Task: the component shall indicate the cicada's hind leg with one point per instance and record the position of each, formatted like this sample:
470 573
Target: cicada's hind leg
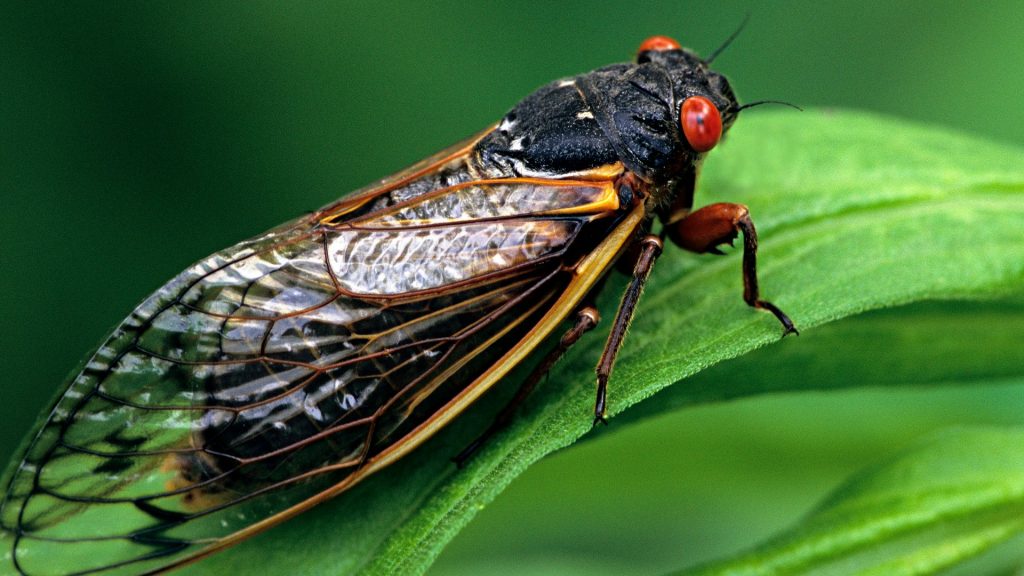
650 249
586 319
716 224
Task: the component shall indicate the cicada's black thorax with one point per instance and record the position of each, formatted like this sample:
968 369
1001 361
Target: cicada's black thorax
625 113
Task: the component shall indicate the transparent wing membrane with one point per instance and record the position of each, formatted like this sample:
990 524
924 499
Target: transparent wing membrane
270 372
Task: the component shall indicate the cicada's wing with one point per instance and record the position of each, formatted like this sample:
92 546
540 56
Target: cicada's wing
280 371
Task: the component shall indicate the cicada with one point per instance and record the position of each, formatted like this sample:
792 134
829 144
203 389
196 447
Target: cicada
283 370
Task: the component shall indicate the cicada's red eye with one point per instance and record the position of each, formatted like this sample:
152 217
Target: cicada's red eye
658 44
701 122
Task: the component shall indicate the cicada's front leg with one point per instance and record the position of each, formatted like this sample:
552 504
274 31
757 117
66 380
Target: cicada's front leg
704 230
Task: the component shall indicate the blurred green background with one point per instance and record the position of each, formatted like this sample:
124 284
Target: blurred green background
137 138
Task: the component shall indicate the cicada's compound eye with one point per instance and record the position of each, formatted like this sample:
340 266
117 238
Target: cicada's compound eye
701 122
658 44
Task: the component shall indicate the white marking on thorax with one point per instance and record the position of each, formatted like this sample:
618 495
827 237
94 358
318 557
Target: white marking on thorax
585 115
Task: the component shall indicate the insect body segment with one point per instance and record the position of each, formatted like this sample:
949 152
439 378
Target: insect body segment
281 371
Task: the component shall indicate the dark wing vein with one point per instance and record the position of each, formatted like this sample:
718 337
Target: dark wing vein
269 372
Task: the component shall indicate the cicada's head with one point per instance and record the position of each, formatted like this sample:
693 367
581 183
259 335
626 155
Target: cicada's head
668 110
679 110
656 117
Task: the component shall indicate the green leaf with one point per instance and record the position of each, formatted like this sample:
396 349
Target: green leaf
940 503
931 343
855 212
706 483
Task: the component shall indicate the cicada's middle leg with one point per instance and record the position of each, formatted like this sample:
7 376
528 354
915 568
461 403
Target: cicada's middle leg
650 249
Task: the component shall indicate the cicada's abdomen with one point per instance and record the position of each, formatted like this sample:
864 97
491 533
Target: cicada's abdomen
274 371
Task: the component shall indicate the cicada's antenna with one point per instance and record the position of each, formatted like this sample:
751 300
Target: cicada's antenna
728 40
760 102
